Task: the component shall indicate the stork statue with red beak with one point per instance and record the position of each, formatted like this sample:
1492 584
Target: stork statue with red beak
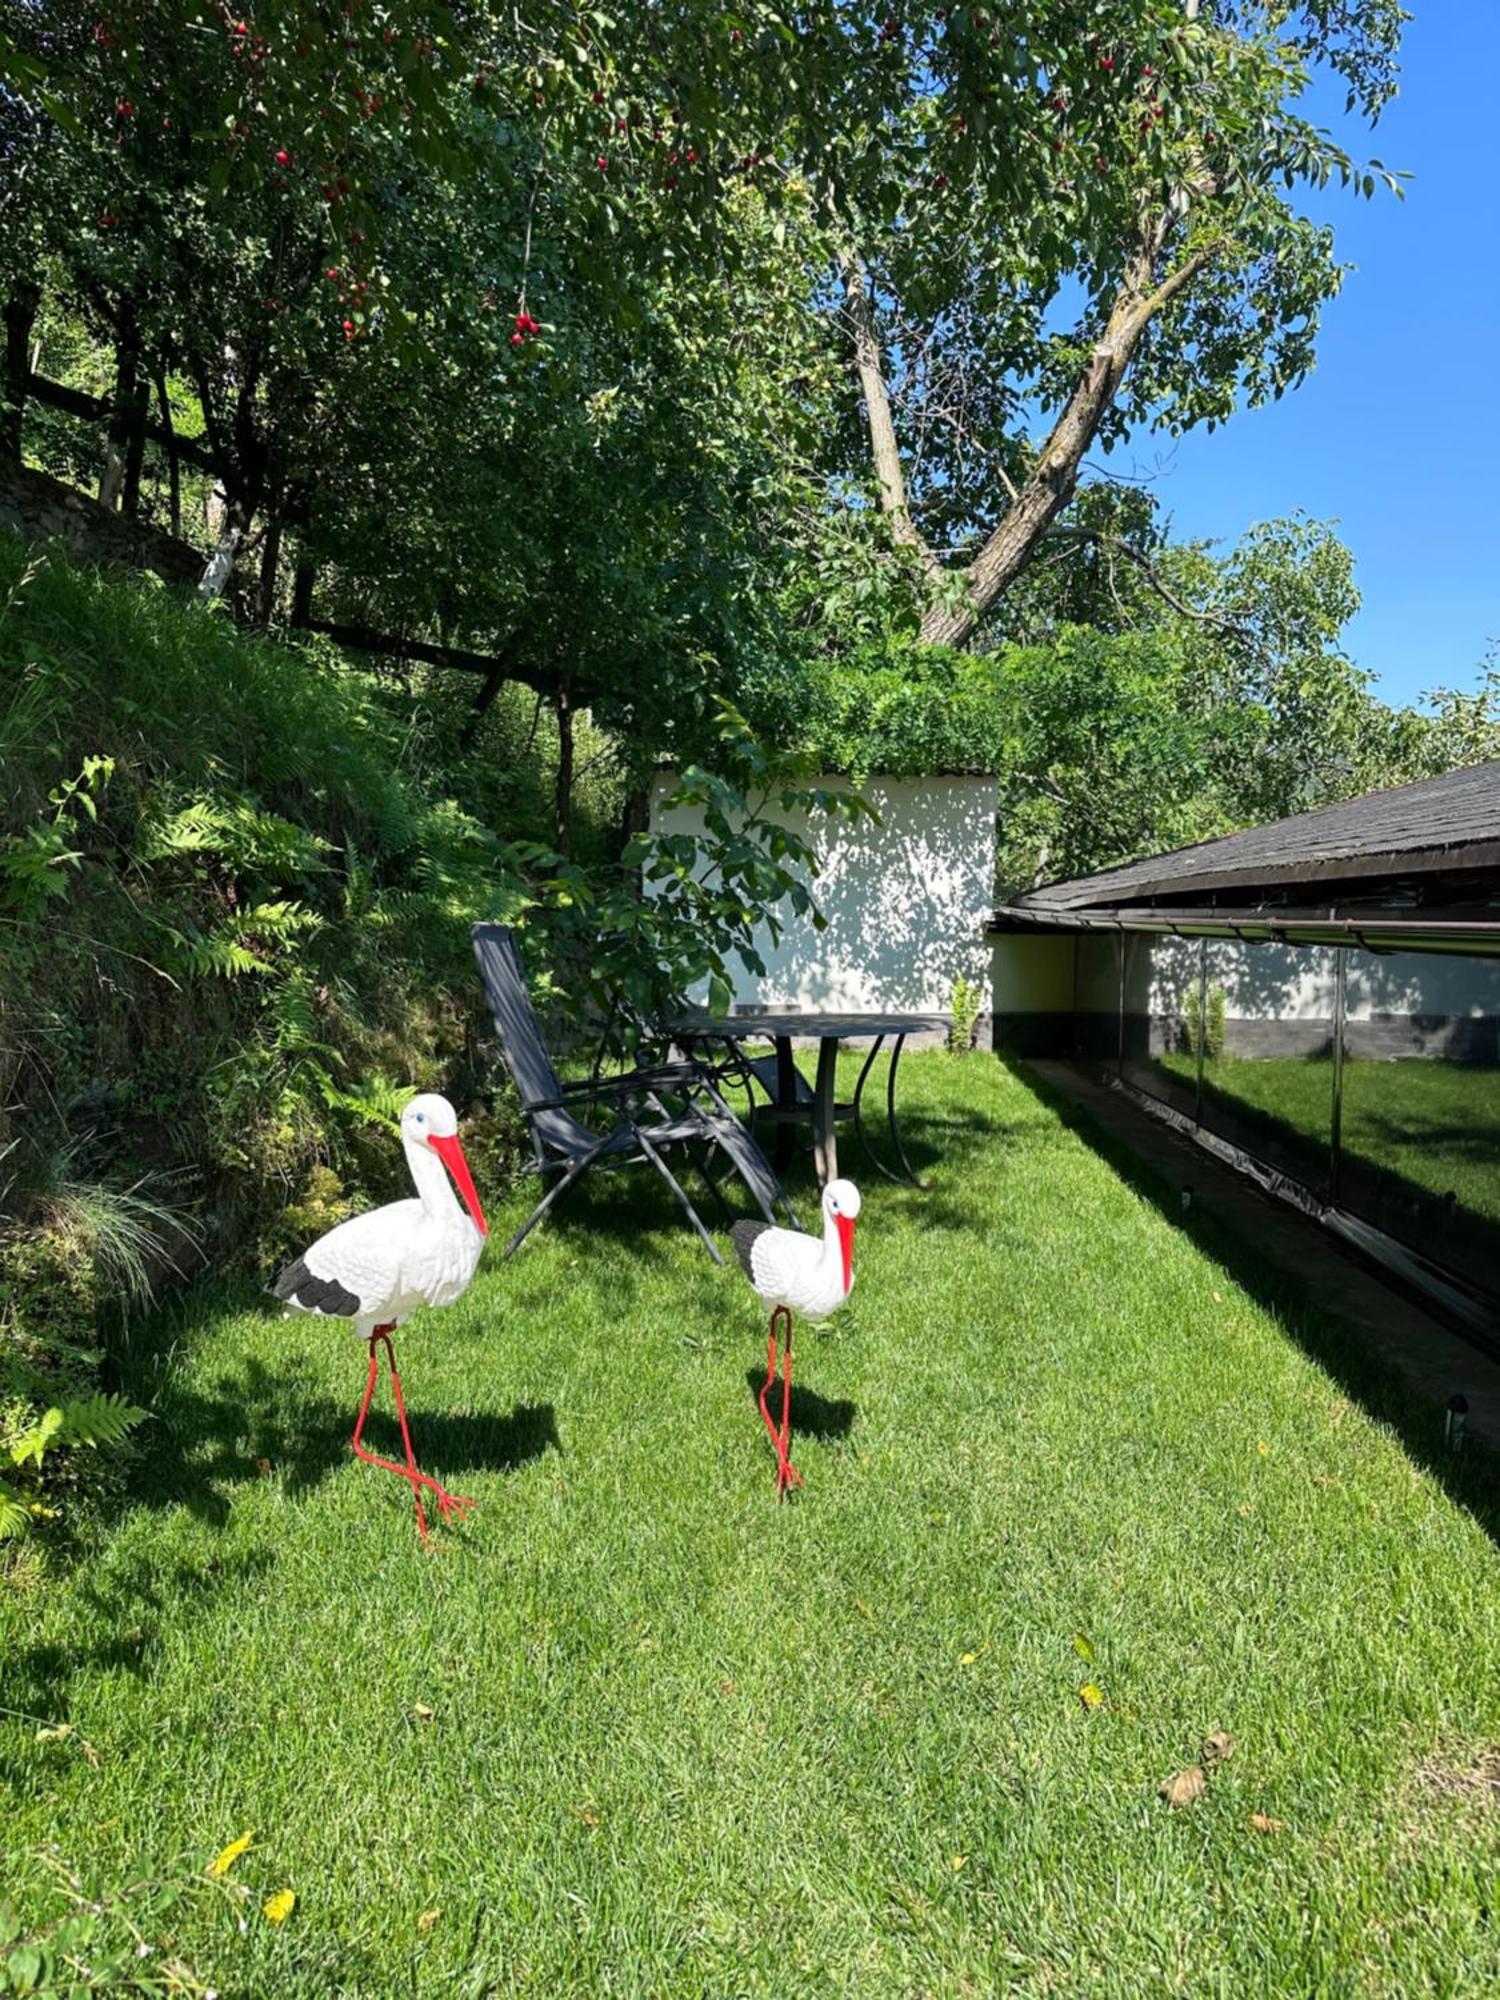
794 1272
373 1271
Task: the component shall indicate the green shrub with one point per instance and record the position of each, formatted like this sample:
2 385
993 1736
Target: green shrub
966 1005
1209 1027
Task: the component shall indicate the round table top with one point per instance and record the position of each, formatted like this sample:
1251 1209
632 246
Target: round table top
815 1027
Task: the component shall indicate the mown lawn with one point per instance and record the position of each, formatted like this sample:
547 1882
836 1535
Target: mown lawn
636 1730
1434 1124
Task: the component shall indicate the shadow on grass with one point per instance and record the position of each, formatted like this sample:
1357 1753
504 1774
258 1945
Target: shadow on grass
133 1604
256 1422
1383 1393
812 1415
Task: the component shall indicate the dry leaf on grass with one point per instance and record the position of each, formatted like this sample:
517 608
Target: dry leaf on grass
427 1919
279 1907
1263 1823
958 1861
1183 1786
1218 1747
422 1712
1082 1648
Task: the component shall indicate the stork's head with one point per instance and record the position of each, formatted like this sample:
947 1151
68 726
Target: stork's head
430 1121
841 1206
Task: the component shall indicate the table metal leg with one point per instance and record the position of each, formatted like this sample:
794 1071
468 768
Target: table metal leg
907 1172
786 1100
824 1143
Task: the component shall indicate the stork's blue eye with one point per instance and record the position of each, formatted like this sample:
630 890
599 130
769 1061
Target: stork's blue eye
421 1117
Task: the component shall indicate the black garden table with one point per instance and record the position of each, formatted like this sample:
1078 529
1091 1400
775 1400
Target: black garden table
792 1102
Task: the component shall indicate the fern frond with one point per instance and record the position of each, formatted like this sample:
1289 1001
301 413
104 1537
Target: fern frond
221 957
14 1518
98 1421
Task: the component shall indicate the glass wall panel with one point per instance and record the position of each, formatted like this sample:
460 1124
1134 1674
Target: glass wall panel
1420 1154
1268 1037
1097 1010
1161 1018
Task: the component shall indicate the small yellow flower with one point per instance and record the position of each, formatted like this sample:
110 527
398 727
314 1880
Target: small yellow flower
280 1906
226 1857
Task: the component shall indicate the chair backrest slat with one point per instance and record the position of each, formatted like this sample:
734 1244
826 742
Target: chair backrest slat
520 1035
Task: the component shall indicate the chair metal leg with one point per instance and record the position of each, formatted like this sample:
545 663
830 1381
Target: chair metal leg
671 1180
559 1188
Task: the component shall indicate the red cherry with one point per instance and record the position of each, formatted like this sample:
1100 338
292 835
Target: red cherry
1106 62
518 340
283 158
602 164
125 109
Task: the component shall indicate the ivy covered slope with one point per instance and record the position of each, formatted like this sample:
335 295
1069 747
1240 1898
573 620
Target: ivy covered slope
234 913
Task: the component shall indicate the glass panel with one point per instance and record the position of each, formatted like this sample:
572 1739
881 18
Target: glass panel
1161 1018
1421 1123
1268 1054
1098 1003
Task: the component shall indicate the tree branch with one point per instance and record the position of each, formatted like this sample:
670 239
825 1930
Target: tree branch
1050 487
362 639
96 410
1112 545
889 477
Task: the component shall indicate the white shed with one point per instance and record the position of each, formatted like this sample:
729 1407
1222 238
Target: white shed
907 898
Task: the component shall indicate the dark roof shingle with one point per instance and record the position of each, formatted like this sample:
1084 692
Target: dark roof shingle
1444 822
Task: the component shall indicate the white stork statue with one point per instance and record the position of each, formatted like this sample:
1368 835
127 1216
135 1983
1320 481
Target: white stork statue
797 1273
374 1270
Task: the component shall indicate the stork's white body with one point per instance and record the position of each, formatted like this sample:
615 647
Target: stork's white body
395 1259
809 1274
376 1269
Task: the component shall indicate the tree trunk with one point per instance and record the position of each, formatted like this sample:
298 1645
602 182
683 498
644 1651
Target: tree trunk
1050 487
21 309
562 702
635 815
234 519
270 560
119 483
174 468
304 576
890 480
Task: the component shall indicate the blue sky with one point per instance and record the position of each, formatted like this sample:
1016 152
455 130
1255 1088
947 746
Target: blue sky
1395 435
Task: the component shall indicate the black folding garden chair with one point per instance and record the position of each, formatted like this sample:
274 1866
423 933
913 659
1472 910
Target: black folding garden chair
644 1126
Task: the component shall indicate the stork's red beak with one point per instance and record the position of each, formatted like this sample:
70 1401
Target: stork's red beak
846 1244
451 1153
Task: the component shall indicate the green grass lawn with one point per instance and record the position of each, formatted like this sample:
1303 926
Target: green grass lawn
636 1730
1434 1124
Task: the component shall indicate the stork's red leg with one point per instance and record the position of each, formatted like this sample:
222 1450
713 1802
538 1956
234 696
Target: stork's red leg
780 1434
448 1503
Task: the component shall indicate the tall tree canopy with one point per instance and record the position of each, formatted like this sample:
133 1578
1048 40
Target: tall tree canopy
978 213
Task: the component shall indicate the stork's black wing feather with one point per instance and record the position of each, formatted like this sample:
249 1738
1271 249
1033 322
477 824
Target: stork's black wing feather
745 1236
300 1287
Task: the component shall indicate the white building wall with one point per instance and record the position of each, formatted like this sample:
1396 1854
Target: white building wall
907 900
